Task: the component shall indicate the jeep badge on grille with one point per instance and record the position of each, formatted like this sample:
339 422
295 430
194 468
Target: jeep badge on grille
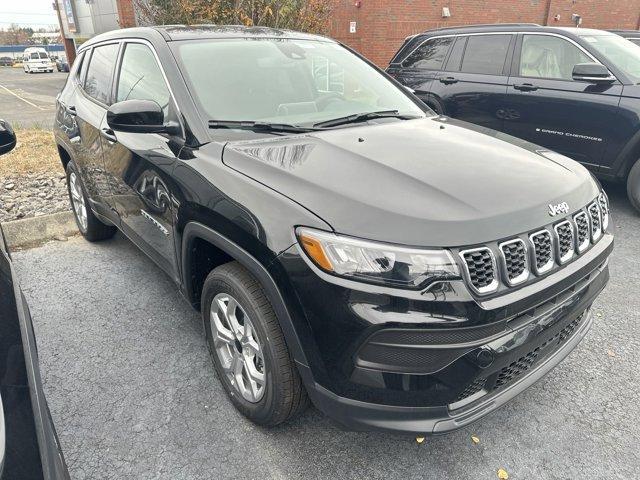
558 208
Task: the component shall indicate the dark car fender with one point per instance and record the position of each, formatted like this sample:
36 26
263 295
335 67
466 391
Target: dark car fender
195 230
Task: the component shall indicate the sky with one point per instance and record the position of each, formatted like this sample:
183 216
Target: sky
28 13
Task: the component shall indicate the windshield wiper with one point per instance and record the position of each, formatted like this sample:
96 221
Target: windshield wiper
363 117
260 126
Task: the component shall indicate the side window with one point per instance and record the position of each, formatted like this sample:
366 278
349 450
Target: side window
486 54
78 67
455 57
546 56
141 78
430 54
102 63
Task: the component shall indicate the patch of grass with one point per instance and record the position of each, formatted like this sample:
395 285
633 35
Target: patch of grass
35 152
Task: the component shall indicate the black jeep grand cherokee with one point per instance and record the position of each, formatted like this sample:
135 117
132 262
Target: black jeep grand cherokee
406 272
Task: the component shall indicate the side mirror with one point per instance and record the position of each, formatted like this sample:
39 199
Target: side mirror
7 137
592 73
139 116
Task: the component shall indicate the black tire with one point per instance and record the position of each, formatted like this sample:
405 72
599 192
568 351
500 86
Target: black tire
284 395
633 186
94 230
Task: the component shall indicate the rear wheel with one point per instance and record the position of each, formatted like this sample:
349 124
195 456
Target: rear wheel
89 225
248 349
633 185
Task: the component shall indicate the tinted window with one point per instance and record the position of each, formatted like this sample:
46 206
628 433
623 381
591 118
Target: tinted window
97 83
429 55
546 56
82 71
455 57
141 77
486 54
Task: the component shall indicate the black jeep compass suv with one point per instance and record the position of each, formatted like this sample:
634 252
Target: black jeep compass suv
404 271
573 90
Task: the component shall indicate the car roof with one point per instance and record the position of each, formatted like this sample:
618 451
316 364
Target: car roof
197 32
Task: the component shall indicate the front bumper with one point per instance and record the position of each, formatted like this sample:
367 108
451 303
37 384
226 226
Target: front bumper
470 356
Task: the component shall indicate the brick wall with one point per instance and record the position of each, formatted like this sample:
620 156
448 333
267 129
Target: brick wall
126 15
382 25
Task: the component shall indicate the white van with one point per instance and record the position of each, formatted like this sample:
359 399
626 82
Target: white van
36 59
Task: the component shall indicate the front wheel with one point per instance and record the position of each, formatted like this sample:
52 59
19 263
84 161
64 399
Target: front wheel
89 225
248 349
633 185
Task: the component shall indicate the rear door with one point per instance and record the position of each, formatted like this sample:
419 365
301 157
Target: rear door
473 85
89 107
139 165
422 66
547 107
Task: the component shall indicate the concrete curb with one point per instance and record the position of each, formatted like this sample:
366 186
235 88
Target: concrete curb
32 231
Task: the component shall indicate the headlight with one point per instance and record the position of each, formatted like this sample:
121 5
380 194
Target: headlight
375 262
603 200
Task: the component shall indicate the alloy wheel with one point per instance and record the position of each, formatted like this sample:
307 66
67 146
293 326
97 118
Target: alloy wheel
77 199
237 347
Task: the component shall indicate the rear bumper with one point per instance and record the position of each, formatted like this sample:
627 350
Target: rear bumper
363 416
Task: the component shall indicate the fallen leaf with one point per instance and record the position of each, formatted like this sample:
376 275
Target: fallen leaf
419 439
475 439
611 353
502 474
599 315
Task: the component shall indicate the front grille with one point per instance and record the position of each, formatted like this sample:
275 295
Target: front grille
514 257
582 231
481 269
542 251
565 242
603 202
594 215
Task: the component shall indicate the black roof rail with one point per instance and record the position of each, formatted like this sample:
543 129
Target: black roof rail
486 25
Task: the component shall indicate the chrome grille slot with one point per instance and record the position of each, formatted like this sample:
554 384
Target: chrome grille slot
603 202
542 249
596 224
564 241
514 261
583 237
480 267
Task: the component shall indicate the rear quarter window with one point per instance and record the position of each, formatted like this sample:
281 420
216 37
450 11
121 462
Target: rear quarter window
97 83
429 55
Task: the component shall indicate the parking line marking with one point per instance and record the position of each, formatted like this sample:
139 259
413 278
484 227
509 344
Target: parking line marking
23 99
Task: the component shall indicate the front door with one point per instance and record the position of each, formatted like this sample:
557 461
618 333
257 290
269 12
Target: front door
139 165
549 108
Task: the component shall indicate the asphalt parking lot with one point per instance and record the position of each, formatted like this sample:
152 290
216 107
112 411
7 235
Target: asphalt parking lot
28 100
133 393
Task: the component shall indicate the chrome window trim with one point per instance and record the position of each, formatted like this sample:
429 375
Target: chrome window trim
569 255
550 264
493 286
525 274
587 240
595 235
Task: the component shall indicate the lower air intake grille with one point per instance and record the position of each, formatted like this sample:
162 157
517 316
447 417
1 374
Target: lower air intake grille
472 389
481 268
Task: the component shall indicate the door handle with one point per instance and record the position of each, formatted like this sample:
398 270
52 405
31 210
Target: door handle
448 80
70 110
108 135
525 87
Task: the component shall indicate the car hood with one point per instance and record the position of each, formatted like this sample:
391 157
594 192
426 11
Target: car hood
428 182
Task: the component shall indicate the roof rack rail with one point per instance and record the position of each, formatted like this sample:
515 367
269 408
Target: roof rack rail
487 25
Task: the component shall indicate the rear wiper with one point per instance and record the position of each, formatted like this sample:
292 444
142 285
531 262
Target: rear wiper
260 126
363 117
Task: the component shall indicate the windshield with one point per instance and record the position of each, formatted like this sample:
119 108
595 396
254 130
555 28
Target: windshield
36 55
296 82
620 52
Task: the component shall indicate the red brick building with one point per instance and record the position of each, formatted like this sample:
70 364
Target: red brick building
382 25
